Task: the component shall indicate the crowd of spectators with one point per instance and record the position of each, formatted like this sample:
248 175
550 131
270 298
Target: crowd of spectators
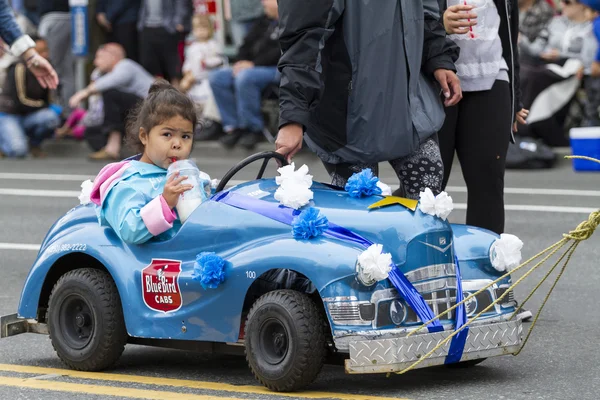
141 40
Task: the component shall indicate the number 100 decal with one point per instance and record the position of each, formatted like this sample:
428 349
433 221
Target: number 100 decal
251 274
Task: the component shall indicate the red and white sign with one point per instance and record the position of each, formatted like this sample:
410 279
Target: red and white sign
205 7
160 285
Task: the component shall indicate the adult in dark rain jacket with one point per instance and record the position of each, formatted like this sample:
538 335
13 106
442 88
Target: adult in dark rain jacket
358 78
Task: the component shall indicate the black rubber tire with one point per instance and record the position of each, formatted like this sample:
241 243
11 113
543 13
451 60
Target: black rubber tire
465 364
306 340
98 292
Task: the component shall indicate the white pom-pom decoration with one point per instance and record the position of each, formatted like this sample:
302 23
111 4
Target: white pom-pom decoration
214 183
294 186
440 206
385 189
373 264
505 253
294 196
291 177
86 192
443 205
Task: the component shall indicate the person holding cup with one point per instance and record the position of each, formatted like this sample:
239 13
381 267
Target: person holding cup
480 127
136 198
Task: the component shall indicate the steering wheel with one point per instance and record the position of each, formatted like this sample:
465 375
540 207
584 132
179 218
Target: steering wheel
265 155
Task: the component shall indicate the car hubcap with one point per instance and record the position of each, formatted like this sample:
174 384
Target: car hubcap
274 342
76 321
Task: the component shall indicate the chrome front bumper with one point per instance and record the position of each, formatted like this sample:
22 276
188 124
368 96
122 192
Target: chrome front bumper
393 355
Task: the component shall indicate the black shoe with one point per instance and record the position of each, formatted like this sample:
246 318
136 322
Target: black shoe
250 139
208 130
229 140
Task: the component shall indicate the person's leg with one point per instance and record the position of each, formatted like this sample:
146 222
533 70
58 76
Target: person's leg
340 173
40 125
169 56
249 85
222 86
127 36
447 140
239 30
149 59
420 170
13 141
117 105
483 134
58 38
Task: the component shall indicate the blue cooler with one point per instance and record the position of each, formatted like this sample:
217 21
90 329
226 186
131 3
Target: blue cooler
585 142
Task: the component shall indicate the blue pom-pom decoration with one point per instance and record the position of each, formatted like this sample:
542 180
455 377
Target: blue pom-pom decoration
209 269
309 224
363 183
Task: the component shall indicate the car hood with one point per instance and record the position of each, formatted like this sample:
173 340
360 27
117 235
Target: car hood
393 226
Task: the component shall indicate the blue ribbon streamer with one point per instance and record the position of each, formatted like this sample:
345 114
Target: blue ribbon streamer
457 344
397 278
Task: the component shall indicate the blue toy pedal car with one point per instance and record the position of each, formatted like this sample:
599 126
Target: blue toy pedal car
291 305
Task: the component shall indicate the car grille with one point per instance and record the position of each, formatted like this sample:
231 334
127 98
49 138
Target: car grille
437 285
346 313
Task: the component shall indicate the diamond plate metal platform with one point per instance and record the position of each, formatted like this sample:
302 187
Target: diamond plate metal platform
392 355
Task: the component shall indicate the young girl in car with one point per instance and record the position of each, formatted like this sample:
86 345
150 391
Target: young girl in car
134 197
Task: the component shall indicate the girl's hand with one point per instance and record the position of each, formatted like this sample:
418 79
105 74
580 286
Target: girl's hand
458 19
521 119
173 188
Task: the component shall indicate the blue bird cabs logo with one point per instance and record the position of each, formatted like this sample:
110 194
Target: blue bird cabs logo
160 285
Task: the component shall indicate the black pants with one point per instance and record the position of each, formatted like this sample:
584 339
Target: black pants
478 129
117 106
417 171
159 54
127 36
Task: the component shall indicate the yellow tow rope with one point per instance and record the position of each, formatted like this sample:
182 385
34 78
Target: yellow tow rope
583 232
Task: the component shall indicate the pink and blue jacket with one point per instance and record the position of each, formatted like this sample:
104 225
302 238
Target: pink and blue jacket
128 195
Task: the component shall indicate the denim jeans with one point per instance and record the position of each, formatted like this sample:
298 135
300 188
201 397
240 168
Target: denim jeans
239 97
16 130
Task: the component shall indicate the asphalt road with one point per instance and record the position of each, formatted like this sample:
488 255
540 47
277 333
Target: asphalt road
560 361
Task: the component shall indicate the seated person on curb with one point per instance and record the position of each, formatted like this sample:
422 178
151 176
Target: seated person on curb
592 82
123 84
237 90
25 112
568 37
134 197
202 55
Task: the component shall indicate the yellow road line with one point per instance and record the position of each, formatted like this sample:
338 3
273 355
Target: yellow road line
215 386
104 390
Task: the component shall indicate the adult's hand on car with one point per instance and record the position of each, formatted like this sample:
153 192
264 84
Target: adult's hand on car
289 140
241 65
173 188
450 84
459 19
41 69
521 118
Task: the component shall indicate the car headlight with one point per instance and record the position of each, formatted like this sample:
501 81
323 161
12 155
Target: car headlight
397 312
470 305
505 252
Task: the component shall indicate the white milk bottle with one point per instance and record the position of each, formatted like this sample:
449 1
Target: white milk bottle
189 200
